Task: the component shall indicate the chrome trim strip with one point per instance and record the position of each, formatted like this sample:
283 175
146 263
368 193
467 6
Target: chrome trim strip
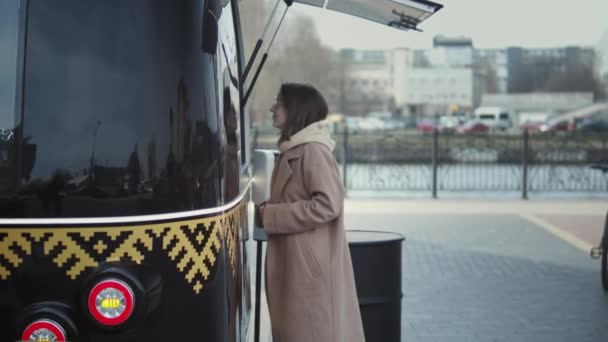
129 219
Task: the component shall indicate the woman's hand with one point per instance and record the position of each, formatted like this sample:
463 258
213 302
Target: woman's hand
259 214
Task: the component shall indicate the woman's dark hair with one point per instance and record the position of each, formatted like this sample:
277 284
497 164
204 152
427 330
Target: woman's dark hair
304 105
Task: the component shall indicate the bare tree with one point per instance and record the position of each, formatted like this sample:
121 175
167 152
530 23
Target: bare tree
296 56
254 15
523 79
545 73
345 87
575 78
490 79
604 87
421 60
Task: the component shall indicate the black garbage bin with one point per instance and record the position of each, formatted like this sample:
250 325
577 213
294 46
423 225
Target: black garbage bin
376 260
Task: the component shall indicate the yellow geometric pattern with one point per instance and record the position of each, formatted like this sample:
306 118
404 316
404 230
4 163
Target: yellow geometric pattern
231 225
193 245
8 242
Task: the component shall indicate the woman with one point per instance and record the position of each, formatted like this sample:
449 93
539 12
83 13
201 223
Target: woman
309 277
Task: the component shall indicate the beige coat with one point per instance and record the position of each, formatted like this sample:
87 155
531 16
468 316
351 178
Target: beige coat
310 284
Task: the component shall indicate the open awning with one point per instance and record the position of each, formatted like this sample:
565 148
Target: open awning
400 14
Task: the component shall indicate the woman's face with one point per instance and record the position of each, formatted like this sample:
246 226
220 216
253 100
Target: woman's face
279 114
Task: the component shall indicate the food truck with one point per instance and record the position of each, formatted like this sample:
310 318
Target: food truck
126 171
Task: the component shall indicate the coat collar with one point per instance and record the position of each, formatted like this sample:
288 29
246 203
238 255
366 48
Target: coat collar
283 171
315 132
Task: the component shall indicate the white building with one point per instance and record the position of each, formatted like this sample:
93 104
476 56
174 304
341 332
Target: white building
402 62
435 90
450 52
384 79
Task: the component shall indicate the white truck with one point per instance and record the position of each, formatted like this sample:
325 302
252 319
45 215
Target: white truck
497 118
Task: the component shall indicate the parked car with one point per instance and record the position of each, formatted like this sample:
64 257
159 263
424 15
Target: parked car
448 123
352 124
371 124
382 121
555 126
473 127
592 126
530 126
426 126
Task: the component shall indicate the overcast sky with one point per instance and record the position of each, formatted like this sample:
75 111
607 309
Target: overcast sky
490 23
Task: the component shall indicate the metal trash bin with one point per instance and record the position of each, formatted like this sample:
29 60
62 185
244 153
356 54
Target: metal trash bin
376 260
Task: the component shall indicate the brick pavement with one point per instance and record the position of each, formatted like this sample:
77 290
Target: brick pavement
486 271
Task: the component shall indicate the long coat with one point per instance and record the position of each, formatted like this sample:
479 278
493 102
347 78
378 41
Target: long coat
310 283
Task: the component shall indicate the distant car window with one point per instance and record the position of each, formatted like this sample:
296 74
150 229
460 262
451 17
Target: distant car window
504 116
487 116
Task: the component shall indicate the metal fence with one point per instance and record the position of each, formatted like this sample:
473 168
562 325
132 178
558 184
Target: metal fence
410 161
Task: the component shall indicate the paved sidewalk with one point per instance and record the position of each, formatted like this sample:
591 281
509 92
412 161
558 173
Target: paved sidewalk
578 222
495 270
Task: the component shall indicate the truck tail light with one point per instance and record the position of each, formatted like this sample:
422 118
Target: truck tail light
111 302
120 296
44 330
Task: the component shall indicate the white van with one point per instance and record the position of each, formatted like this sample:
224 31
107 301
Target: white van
494 117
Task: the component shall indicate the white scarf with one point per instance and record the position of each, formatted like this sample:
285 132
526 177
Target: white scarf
315 132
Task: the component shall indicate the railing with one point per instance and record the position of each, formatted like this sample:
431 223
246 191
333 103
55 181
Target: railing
410 161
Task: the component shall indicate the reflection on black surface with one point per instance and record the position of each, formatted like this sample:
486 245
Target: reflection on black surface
11 142
212 11
9 32
118 119
122 116
10 127
133 177
204 163
189 179
231 159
